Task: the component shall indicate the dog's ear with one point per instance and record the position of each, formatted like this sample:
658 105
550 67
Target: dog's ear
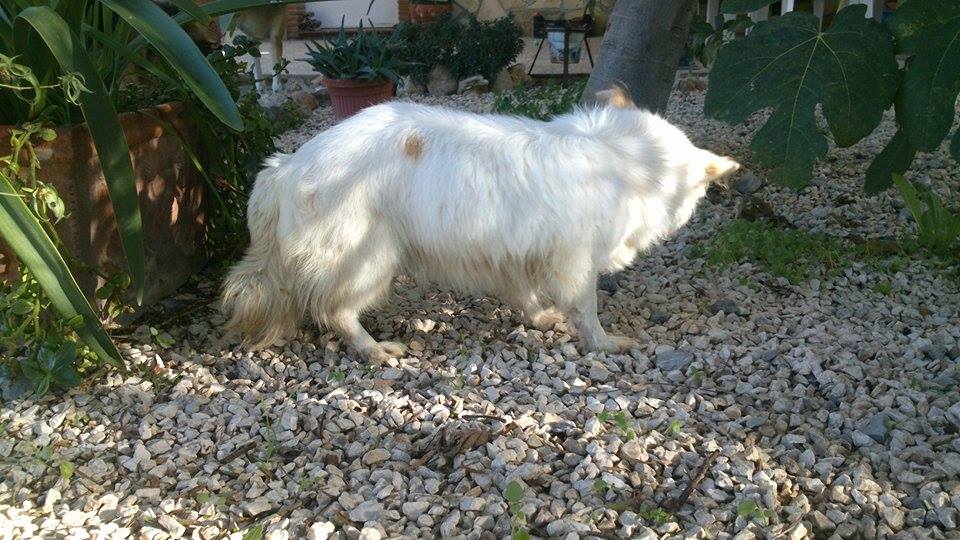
719 167
617 97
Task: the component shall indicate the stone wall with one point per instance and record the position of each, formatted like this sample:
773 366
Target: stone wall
524 10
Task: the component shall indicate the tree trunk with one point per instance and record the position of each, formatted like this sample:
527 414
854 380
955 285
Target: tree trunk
642 49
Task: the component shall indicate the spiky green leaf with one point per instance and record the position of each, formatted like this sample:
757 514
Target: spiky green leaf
166 36
24 234
789 65
104 126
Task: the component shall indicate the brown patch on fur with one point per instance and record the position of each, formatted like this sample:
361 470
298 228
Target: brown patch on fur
713 170
617 97
413 147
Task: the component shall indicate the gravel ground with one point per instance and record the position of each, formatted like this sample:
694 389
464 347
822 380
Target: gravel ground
822 409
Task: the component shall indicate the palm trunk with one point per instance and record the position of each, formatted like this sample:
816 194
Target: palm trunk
641 49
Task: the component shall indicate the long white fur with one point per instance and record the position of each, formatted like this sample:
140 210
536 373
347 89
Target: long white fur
527 210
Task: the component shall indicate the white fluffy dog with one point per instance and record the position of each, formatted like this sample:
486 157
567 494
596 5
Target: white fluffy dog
531 211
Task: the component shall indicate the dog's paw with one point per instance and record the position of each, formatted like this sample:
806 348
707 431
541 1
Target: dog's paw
546 319
616 344
385 350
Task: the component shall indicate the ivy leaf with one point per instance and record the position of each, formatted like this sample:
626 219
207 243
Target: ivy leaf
744 6
789 65
894 159
929 31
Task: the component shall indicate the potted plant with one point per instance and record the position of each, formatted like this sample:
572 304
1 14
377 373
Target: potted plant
358 71
428 11
78 173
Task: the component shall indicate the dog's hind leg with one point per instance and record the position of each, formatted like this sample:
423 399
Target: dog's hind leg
347 324
579 300
360 281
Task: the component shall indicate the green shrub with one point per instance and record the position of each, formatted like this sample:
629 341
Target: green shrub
475 47
938 229
540 102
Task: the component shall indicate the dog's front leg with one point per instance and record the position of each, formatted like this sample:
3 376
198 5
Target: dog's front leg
583 312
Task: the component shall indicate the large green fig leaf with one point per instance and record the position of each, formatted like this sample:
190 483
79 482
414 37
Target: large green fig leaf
894 159
744 6
929 31
789 65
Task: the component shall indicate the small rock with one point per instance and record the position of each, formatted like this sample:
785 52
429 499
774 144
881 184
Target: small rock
366 511
409 87
562 527
377 455
320 530
659 317
725 305
415 509
876 427
607 283
305 99
370 533
172 526
256 506
74 518
472 504
953 414
440 82
749 184
676 360
448 527
474 83
893 516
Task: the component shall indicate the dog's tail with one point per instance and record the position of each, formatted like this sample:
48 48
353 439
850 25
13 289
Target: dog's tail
256 293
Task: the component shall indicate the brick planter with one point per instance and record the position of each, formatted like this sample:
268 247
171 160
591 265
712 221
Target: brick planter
171 201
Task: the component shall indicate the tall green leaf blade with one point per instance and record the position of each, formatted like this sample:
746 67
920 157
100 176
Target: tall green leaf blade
37 252
176 47
929 30
744 6
191 8
895 158
789 65
104 126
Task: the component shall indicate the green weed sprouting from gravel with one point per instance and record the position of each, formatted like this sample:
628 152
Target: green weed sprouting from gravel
518 519
655 515
750 510
792 254
620 420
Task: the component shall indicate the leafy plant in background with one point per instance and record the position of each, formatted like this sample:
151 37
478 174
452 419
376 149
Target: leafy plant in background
706 39
366 55
790 65
476 47
938 229
540 102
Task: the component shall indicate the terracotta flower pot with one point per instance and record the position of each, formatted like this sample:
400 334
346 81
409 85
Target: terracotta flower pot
171 200
350 95
428 13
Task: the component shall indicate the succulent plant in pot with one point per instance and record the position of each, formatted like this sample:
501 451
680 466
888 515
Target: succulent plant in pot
357 70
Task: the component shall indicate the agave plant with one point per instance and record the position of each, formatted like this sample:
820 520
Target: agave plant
366 55
61 62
